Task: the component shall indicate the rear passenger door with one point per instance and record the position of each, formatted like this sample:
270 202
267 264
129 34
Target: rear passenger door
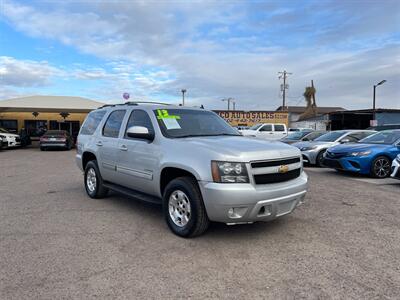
279 131
107 144
138 158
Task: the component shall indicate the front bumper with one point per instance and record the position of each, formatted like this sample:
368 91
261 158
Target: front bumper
395 169
246 203
360 165
11 143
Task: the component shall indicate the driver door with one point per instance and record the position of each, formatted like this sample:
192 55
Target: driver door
138 158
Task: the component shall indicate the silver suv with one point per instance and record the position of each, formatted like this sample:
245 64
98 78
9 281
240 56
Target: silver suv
192 162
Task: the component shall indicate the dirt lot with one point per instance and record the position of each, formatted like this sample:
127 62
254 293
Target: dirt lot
55 242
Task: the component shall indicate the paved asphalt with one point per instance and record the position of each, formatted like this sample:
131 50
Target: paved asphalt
55 242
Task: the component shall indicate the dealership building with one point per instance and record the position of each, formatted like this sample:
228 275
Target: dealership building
39 113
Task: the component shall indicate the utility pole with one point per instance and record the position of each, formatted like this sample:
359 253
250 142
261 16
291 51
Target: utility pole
234 104
284 75
183 96
229 102
373 104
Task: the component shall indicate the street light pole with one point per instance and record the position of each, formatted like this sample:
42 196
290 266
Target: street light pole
373 103
183 96
234 104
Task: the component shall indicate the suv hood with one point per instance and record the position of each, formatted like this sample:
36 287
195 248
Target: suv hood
241 148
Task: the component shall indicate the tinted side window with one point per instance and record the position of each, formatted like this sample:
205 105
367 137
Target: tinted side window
351 138
139 118
279 128
113 124
92 121
266 128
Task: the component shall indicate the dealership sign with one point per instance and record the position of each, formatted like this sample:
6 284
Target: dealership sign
249 118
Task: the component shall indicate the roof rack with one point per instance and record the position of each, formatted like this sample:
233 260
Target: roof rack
145 102
133 103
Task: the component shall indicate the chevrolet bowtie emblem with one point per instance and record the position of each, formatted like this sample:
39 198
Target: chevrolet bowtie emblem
283 169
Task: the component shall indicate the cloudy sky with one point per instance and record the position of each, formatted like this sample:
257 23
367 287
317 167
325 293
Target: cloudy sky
214 49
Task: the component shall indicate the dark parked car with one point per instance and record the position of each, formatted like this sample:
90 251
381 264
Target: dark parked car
56 139
300 136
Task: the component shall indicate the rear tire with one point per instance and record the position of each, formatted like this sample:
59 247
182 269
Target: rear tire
93 181
381 167
184 209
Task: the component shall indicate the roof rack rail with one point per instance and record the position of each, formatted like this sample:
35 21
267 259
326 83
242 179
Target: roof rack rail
145 102
133 103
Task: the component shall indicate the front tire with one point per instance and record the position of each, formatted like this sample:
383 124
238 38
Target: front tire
320 158
184 209
381 167
94 182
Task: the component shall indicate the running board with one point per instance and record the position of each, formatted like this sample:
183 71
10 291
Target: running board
132 193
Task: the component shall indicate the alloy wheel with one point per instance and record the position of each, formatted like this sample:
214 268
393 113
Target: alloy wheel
179 208
382 168
91 180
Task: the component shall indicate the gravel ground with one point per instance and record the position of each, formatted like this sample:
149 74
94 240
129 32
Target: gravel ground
55 242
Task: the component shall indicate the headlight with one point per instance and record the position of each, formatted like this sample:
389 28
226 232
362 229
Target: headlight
3 137
229 172
308 148
363 153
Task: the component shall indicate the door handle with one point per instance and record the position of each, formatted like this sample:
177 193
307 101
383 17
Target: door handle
123 148
99 143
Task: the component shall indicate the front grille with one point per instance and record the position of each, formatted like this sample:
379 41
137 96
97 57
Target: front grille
274 163
335 155
277 177
331 163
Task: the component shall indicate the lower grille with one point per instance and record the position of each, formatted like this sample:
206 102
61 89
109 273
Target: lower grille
277 177
331 163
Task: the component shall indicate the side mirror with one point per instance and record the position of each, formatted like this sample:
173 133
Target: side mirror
344 141
139 132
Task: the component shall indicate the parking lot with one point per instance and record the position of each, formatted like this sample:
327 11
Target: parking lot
55 242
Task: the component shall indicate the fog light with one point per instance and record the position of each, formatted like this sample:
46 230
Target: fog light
302 200
236 212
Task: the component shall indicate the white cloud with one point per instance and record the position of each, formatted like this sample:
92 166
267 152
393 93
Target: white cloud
25 73
156 48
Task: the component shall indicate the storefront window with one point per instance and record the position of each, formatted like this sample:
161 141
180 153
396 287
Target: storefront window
35 128
9 125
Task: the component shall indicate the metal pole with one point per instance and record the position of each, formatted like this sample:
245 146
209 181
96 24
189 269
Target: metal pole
373 104
183 96
284 90
234 105
229 103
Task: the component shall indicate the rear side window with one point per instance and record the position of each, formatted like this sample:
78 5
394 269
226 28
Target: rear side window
279 128
92 121
139 118
113 124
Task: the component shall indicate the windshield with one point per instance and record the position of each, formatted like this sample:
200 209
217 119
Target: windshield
255 127
3 130
386 137
296 135
330 136
179 123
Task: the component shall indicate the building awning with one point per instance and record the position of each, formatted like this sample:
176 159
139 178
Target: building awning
49 104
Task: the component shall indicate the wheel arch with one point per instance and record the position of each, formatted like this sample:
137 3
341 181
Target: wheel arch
86 157
169 173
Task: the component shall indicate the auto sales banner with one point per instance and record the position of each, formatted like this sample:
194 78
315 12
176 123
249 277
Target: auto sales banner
250 118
